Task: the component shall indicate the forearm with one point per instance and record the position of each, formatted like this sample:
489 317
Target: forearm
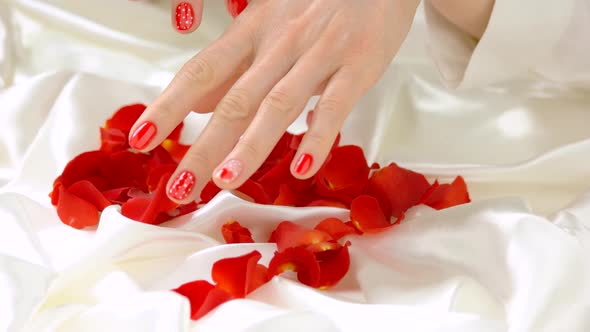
471 16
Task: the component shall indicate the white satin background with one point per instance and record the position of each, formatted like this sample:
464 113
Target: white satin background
516 259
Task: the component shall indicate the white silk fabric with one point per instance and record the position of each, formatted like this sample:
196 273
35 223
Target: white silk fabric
516 259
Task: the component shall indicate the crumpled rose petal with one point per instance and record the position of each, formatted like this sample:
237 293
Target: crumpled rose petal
366 214
203 297
88 192
233 232
74 211
296 259
397 189
118 195
148 209
240 275
335 227
344 176
289 235
447 195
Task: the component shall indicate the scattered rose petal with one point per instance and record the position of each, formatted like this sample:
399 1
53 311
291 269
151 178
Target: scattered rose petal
366 214
447 195
240 275
76 212
397 189
296 259
233 232
335 227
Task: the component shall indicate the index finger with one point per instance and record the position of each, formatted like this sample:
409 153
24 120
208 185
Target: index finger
200 76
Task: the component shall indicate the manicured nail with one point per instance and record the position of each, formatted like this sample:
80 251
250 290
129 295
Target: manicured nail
143 135
229 171
182 185
185 16
303 164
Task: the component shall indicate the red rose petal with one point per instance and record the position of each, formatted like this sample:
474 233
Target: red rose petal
328 202
209 192
297 259
288 235
447 195
255 191
366 214
175 134
88 192
82 167
125 169
135 209
76 212
187 208
125 117
157 173
239 275
334 265
203 297
286 197
344 176
118 195
397 189
175 149
279 173
233 232
112 140
214 299
335 227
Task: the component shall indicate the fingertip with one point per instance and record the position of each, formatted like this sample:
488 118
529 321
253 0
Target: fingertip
228 174
182 186
303 166
187 15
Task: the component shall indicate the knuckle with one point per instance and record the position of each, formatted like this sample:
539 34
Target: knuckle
330 106
198 70
249 148
199 159
279 101
317 139
234 106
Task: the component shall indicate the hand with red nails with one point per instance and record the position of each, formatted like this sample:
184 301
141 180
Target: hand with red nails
258 77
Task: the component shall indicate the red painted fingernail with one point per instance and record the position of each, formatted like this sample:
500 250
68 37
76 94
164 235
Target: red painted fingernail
229 171
182 185
235 7
303 164
185 16
143 135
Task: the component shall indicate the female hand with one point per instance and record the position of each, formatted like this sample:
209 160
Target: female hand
258 77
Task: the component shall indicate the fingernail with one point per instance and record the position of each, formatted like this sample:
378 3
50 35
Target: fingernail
143 135
303 164
185 16
182 185
229 171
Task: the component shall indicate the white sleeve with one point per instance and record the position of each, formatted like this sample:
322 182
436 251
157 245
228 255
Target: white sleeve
524 38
